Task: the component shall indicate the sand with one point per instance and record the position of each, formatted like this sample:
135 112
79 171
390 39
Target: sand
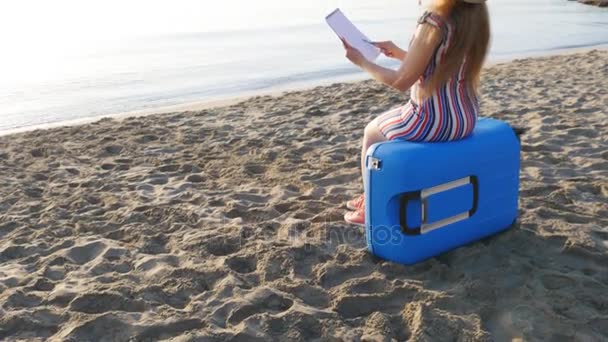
226 224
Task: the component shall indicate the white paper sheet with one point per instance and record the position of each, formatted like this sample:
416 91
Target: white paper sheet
344 28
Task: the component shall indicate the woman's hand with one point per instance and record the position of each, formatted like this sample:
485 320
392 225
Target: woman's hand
390 49
353 55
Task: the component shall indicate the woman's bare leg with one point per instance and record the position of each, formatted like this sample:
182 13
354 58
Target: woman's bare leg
372 135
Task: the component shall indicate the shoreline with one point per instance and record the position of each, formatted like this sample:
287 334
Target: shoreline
228 100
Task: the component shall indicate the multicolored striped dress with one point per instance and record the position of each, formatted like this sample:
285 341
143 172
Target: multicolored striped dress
448 114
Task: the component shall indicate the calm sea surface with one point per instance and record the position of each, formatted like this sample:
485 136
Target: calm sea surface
63 60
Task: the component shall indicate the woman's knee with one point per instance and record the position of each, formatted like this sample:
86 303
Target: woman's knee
370 129
372 132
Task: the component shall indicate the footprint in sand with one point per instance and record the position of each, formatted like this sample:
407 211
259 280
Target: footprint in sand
311 295
123 160
190 168
40 177
152 264
577 219
334 275
93 199
169 168
242 265
254 169
336 180
590 272
250 215
55 273
271 304
96 303
20 300
216 203
113 327
7 227
73 171
368 285
250 197
84 253
223 247
43 285
34 192
352 306
114 253
158 180
41 152
113 149
147 138
155 244
556 282
170 329
195 179
283 207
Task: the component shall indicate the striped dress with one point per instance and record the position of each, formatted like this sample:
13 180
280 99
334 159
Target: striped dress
448 114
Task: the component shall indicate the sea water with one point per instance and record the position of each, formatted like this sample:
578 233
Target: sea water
68 59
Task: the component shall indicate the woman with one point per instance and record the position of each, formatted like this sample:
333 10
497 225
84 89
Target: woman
441 69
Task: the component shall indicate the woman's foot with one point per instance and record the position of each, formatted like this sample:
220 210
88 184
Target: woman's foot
356 217
357 203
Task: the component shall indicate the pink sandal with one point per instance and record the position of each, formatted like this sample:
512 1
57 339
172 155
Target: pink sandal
357 203
356 217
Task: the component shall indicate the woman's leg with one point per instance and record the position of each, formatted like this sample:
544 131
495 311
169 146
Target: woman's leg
371 135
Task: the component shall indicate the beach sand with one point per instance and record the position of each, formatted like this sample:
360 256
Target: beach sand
226 224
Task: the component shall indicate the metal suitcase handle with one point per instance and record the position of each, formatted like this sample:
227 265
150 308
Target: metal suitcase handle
423 195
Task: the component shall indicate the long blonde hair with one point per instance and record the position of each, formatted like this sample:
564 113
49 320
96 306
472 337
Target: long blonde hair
470 40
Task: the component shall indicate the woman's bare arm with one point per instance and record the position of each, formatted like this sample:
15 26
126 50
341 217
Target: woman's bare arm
421 51
391 50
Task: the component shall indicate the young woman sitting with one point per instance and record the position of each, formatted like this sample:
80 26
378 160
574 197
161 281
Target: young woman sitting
441 70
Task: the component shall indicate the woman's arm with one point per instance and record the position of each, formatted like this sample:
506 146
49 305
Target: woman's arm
380 73
390 49
421 51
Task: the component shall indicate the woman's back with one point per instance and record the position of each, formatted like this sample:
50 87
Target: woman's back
453 107
443 104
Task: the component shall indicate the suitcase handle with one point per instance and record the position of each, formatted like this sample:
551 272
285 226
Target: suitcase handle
422 195
405 199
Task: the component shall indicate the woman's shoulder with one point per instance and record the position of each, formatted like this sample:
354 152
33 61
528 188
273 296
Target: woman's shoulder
433 18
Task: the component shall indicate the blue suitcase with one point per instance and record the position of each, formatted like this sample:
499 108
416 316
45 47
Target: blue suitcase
423 199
